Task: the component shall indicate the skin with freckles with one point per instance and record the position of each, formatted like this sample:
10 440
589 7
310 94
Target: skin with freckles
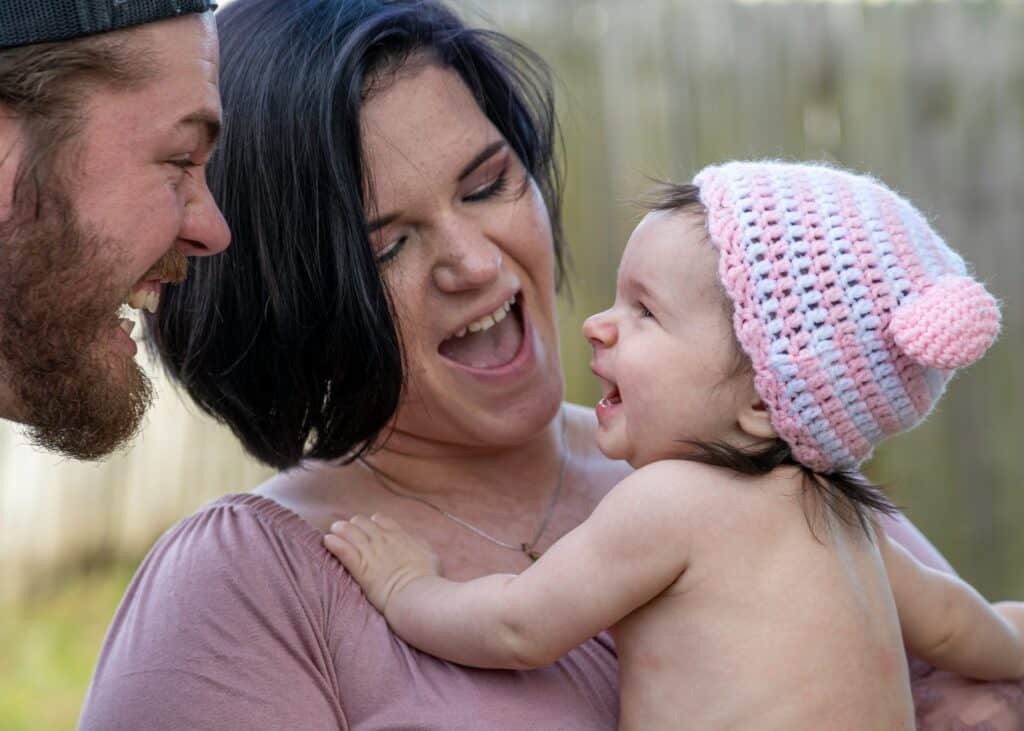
127 205
736 602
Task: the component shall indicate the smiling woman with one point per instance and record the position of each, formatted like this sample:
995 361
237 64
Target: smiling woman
468 243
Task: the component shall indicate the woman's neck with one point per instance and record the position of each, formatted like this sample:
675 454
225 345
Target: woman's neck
444 470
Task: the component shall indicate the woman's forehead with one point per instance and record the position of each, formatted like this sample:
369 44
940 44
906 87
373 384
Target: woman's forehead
422 126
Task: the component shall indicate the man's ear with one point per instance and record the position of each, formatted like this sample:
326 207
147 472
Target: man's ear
11 153
756 421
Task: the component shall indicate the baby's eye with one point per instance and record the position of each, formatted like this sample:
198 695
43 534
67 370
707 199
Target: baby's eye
644 312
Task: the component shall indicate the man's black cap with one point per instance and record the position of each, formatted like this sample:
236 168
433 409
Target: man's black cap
23 22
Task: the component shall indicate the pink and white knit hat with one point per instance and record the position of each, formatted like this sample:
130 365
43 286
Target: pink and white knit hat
853 310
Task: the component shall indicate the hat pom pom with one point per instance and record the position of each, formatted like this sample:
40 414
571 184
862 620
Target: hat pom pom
950 326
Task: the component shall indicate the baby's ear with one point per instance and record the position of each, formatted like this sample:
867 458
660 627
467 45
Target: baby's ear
756 421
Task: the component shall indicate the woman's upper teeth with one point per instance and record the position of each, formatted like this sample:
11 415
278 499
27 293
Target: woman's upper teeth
487 321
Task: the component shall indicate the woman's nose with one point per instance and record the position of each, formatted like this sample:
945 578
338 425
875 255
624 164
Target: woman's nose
599 329
203 231
468 260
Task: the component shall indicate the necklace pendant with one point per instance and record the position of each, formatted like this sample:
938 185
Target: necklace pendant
529 551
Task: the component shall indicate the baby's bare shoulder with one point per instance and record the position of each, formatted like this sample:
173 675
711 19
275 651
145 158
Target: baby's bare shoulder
707 495
697 478
677 484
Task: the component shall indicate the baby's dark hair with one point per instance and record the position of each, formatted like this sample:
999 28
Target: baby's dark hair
847 494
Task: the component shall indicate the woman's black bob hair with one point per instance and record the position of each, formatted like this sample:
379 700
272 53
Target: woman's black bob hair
287 336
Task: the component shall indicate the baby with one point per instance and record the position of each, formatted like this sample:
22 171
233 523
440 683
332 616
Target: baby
772 322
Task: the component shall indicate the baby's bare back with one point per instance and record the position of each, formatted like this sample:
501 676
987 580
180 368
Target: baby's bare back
771 626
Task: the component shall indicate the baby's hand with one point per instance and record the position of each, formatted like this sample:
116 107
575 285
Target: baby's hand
380 555
1013 612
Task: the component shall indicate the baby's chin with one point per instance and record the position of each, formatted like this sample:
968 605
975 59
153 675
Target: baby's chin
615 450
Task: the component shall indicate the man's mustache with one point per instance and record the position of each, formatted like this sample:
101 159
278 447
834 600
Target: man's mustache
172 267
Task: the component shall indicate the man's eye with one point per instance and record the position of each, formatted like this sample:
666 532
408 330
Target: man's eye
185 163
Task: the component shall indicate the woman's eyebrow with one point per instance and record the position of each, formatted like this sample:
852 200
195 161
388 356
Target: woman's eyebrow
483 156
381 222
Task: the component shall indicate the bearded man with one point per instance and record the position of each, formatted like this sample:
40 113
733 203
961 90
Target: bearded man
109 111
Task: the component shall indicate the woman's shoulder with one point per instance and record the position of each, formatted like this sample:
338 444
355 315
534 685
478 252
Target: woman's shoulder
240 547
243 522
242 583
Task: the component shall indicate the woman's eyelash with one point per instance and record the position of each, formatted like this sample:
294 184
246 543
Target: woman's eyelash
392 251
492 190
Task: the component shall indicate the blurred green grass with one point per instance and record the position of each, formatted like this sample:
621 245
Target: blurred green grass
50 643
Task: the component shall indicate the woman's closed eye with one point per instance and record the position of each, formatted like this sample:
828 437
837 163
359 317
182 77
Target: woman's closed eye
490 189
391 250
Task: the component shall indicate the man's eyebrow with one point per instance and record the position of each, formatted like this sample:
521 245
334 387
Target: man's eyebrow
484 155
207 121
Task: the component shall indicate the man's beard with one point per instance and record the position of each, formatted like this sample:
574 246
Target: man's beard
75 391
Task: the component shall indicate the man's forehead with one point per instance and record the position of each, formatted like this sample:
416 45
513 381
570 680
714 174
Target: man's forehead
26 22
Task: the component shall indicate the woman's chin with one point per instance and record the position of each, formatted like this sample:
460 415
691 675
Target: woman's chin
474 416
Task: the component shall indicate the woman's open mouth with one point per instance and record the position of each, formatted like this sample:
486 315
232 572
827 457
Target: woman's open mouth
491 342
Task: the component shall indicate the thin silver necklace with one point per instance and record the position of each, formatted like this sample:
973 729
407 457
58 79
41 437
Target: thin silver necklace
528 548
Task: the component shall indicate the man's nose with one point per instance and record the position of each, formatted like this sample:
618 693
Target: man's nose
204 231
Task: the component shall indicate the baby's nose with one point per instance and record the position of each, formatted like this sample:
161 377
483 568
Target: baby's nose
599 329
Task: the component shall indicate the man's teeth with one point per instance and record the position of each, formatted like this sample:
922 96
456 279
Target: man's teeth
143 299
487 321
127 325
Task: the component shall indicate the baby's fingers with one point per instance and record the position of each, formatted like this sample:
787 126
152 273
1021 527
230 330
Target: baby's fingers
386 523
349 544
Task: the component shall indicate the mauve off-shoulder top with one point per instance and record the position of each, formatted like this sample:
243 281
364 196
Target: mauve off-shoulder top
239 619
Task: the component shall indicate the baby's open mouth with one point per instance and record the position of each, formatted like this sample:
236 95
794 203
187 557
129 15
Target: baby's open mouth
490 342
612 397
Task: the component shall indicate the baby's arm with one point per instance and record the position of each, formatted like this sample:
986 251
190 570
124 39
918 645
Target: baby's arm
631 548
948 623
